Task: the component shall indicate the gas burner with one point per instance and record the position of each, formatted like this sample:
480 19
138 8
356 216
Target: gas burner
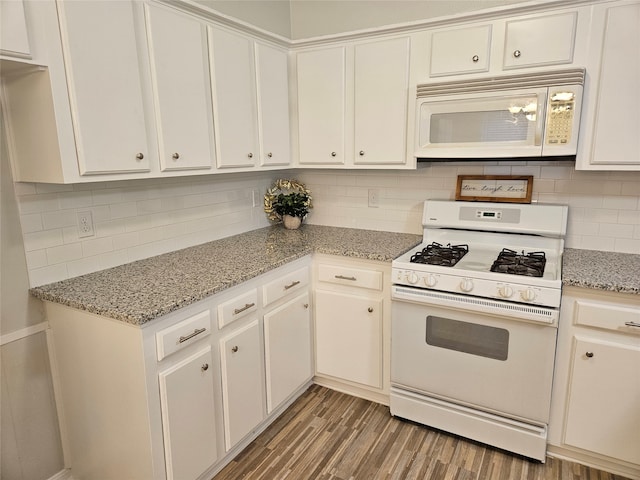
437 254
530 264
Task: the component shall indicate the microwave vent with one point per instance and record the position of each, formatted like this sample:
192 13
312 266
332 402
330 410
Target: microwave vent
574 76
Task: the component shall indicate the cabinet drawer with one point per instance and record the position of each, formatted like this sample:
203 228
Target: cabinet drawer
354 277
183 334
237 307
609 317
288 283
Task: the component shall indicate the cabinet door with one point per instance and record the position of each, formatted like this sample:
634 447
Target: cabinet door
462 50
287 339
617 99
105 85
321 106
182 89
380 97
273 103
14 37
188 416
349 337
242 383
603 414
540 41
235 109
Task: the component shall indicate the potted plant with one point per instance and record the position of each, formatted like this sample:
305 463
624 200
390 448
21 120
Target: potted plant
287 201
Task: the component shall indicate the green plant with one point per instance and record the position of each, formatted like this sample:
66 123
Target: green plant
287 197
294 204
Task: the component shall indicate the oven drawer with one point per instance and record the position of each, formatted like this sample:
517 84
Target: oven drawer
354 277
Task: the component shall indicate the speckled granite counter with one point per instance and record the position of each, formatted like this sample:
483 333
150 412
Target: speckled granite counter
614 272
141 291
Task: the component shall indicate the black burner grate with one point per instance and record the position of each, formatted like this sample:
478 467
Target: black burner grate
530 264
437 254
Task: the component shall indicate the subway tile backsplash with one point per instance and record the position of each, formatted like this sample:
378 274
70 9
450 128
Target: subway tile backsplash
138 219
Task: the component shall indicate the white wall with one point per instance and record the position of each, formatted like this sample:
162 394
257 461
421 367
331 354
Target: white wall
132 219
139 219
271 15
313 18
604 207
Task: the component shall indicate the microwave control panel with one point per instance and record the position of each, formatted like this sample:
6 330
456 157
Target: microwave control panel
560 117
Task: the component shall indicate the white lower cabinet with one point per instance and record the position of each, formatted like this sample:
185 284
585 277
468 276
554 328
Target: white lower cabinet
188 416
287 340
180 396
352 323
242 382
595 417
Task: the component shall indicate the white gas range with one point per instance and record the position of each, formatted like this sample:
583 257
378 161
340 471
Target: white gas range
474 322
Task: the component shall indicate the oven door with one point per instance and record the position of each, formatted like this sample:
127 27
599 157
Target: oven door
496 363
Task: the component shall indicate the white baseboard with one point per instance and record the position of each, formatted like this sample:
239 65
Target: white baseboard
62 475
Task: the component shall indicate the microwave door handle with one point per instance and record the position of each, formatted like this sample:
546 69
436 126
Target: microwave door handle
542 103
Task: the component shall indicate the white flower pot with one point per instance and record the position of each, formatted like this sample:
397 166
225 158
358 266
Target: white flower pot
291 223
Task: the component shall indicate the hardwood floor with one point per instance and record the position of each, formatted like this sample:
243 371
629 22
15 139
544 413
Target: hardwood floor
327 435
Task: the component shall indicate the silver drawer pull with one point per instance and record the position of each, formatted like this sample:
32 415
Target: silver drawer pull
197 331
292 284
246 307
632 324
342 277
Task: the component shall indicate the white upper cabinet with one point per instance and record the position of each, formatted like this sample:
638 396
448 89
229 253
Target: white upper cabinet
610 130
272 70
181 88
380 102
321 106
352 104
105 85
460 50
539 41
235 106
14 36
506 44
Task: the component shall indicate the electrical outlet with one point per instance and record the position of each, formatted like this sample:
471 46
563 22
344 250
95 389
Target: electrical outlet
85 224
374 197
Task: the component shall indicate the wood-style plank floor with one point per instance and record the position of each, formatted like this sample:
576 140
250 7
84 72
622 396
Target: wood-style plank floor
330 435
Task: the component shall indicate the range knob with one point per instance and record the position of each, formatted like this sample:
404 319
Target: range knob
430 280
466 285
505 291
412 278
528 295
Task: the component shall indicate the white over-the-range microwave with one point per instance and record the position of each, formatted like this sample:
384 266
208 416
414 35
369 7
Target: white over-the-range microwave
526 115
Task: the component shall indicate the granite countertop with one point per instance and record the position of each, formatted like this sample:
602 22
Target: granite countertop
140 291
610 271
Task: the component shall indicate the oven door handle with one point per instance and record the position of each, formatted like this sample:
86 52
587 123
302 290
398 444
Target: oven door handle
517 311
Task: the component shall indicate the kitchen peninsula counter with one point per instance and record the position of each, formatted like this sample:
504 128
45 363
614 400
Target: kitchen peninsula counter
141 291
608 271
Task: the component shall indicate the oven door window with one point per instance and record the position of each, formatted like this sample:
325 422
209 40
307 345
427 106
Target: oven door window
481 340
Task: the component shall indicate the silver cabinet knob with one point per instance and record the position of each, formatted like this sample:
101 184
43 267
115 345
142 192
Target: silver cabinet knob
234 349
370 309
139 156
269 154
250 155
204 367
475 58
333 154
361 153
517 53
589 354
175 156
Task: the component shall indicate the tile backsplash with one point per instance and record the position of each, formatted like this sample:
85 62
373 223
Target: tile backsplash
142 218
